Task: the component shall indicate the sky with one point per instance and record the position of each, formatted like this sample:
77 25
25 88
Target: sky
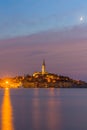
54 30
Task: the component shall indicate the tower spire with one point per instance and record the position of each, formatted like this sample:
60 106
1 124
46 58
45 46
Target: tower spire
43 62
43 67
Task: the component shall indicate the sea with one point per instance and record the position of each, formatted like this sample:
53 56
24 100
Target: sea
43 109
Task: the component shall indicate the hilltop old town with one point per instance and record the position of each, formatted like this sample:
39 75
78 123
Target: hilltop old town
41 79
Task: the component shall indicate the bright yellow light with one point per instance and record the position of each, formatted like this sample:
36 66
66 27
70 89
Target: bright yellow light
6 88
6 82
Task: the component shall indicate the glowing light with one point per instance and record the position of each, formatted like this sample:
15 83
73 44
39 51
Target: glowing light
81 18
6 88
6 82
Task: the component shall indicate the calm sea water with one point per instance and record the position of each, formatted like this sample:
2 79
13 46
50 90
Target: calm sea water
43 109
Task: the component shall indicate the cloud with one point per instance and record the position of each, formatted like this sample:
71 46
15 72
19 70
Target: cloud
65 52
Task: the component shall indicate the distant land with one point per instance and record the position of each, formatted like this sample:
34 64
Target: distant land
41 79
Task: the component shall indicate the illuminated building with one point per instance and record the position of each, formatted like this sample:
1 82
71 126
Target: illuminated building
43 67
36 74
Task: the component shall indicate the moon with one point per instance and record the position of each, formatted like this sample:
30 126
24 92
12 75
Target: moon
81 19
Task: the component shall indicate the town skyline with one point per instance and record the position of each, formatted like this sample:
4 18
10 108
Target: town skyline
41 70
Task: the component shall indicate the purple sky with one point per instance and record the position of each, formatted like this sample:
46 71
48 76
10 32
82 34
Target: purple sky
54 30
64 50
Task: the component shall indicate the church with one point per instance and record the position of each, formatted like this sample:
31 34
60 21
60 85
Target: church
49 77
43 70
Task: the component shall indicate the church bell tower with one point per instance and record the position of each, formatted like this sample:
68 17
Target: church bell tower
43 68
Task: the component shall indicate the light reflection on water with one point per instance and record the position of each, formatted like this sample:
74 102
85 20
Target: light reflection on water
36 110
53 117
45 113
6 112
43 109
